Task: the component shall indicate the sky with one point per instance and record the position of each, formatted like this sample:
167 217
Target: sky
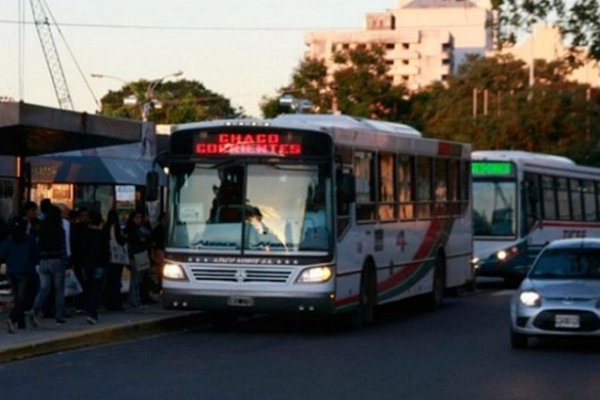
241 49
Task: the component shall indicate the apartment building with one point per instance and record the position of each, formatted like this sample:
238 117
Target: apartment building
424 40
545 43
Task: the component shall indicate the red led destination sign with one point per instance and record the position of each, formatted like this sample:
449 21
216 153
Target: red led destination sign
247 144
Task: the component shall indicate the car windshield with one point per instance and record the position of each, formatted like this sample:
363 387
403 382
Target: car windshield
251 208
567 264
494 205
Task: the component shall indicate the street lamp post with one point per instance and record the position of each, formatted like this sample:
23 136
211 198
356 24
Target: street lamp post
148 102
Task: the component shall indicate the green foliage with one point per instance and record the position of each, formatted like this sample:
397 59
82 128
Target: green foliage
579 20
359 86
489 104
181 101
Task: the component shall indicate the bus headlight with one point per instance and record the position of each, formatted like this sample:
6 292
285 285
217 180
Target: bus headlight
315 275
507 253
173 272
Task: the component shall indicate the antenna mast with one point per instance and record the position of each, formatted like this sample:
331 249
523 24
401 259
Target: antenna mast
57 74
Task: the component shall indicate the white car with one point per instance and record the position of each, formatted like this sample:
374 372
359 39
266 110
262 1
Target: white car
561 294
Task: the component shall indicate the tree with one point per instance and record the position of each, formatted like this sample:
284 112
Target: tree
362 87
490 104
578 20
181 101
309 81
359 86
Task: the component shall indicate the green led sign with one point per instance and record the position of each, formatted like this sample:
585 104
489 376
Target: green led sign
491 168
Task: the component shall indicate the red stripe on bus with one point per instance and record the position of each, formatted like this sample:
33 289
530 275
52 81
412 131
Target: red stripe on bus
449 149
431 238
578 224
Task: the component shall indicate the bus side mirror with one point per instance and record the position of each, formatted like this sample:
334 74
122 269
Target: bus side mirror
152 186
347 187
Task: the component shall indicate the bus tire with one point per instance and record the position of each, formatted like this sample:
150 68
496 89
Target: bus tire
365 313
435 299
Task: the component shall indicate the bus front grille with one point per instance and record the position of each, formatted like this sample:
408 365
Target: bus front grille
241 275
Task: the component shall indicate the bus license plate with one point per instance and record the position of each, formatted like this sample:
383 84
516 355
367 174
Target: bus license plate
566 321
240 301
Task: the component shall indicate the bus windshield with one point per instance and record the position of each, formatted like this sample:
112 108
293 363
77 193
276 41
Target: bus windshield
251 208
494 207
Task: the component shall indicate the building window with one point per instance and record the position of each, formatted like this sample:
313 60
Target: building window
405 46
405 62
390 46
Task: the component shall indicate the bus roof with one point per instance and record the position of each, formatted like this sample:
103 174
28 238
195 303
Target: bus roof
523 157
324 122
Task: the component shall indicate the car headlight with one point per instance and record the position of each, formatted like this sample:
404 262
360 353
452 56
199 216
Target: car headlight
315 275
173 272
530 298
502 254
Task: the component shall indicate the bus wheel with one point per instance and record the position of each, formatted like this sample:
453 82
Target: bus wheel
435 299
365 314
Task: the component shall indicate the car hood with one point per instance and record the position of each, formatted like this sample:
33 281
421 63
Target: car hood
564 288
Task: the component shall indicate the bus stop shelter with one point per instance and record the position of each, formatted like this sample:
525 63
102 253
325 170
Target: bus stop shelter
31 130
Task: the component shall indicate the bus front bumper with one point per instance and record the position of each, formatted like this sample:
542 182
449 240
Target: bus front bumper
249 302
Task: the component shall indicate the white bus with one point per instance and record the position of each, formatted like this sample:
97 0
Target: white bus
313 215
523 200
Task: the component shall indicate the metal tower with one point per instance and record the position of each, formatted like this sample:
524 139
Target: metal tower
57 74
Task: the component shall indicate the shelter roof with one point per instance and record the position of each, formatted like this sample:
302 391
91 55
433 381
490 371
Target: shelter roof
29 130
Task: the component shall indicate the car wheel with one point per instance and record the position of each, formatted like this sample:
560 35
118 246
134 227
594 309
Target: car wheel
518 340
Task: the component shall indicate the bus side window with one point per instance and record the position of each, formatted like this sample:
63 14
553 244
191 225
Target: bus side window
531 190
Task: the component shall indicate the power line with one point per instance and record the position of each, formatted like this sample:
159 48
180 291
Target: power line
178 28
223 28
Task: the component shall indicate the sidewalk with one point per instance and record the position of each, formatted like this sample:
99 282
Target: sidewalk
113 326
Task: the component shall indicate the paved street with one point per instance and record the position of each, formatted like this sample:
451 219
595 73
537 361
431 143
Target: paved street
460 352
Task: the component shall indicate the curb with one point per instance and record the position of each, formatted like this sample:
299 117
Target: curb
102 335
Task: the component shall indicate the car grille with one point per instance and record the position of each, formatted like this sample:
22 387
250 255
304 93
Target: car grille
588 321
241 275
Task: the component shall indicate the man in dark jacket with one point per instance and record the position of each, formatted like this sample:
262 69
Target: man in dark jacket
94 262
21 252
